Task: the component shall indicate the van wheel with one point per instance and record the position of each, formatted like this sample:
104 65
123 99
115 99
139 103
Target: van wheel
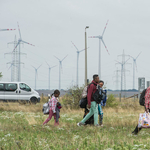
33 100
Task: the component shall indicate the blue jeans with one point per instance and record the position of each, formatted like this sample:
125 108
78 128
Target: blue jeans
100 112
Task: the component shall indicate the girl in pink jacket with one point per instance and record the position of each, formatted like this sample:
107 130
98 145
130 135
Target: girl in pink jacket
52 107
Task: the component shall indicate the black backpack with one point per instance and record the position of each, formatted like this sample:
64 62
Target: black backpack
97 97
142 98
83 102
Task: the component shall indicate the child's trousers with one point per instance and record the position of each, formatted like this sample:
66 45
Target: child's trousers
100 112
50 117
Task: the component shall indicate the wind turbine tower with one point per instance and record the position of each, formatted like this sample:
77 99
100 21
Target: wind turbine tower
78 52
100 37
36 69
49 75
134 65
20 41
60 66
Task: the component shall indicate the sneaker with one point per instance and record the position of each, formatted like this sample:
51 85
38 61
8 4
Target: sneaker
101 125
80 124
97 125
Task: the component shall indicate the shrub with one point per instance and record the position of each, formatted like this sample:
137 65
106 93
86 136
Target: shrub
111 101
73 97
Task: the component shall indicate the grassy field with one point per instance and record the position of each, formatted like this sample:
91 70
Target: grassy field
21 128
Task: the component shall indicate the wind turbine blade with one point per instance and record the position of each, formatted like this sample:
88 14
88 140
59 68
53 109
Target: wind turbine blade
54 66
82 50
28 43
39 66
47 64
19 30
16 45
93 36
131 56
105 46
57 58
7 29
105 28
118 62
64 57
74 46
126 61
33 67
138 55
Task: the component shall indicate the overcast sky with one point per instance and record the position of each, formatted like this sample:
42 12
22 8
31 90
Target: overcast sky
52 25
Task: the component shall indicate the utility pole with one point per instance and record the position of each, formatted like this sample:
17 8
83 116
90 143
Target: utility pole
86 56
117 79
15 63
123 71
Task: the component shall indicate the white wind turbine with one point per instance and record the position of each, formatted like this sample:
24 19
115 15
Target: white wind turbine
78 52
36 69
100 37
60 66
49 74
134 65
20 41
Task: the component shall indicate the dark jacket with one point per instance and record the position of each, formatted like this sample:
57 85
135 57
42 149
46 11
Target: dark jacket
58 107
91 89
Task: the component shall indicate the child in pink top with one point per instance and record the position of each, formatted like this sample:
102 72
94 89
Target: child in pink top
52 105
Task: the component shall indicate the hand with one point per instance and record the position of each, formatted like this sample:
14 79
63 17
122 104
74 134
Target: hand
89 106
147 110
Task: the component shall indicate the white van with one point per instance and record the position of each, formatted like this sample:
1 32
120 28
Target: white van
18 91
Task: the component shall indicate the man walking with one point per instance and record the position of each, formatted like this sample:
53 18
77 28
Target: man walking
91 103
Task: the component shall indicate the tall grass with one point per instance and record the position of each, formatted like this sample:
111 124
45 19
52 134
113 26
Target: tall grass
21 128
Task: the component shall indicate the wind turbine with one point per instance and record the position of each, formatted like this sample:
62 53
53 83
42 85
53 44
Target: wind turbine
78 52
20 41
36 69
49 74
134 65
100 37
7 29
60 65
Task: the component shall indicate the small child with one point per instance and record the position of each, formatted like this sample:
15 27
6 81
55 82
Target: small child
53 105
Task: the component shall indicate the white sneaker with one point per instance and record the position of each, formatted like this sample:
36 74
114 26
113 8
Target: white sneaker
80 124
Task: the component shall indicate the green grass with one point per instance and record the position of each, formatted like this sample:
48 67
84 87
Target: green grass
22 130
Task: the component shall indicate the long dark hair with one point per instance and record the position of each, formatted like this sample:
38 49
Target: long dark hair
55 92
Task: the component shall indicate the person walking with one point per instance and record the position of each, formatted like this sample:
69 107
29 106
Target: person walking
147 108
52 107
92 105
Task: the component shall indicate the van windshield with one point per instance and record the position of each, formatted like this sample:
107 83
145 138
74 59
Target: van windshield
24 87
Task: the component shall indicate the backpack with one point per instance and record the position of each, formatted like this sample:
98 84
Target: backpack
97 97
142 98
83 101
45 109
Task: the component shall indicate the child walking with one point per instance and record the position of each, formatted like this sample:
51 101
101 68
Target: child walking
52 105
